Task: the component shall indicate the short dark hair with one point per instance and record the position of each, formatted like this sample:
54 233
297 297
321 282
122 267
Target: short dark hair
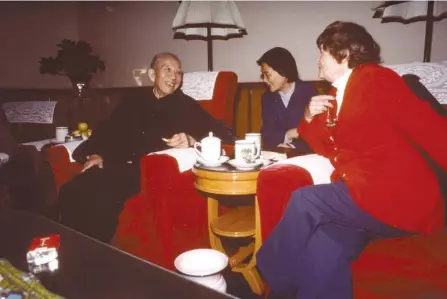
159 56
340 38
282 61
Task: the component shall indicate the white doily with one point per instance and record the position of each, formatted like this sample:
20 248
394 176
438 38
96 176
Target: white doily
3 159
433 75
199 85
39 144
186 157
36 112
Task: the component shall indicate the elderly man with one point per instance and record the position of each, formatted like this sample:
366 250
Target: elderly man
92 201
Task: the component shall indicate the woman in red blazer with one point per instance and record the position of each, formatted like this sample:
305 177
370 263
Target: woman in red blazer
382 185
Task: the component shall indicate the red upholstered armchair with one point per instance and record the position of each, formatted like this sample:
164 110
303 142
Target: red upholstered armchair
169 216
153 224
412 267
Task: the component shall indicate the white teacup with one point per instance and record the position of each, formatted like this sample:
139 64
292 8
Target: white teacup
246 150
256 137
209 148
61 132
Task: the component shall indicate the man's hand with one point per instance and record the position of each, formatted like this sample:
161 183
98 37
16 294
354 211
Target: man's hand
93 160
181 140
318 104
292 134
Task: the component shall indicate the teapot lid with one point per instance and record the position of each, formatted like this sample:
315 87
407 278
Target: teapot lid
211 137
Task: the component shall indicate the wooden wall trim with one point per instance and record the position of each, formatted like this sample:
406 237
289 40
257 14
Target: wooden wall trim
247 106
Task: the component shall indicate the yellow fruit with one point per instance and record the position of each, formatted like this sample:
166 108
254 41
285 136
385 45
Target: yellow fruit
89 132
82 127
76 132
84 133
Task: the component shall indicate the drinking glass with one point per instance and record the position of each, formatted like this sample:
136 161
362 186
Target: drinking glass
331 115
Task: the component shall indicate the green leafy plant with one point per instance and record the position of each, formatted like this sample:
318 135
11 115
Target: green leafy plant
73 60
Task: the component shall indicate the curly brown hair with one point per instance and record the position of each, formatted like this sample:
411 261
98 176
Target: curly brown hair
347 39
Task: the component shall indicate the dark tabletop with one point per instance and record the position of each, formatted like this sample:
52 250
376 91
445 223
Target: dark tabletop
91 269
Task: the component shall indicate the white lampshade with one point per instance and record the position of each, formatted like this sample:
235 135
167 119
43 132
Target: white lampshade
194 17
409 10
208 20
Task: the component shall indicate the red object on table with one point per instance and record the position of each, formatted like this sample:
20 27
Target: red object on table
51 241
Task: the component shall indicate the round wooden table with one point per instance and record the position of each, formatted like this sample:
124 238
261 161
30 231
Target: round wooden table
239 222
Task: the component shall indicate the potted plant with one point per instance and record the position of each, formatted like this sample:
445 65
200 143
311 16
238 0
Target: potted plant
73 60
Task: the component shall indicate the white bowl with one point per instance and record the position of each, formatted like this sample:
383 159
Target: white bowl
201 262
216 282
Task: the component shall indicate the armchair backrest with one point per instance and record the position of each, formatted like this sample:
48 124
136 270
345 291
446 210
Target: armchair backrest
433 75
221 106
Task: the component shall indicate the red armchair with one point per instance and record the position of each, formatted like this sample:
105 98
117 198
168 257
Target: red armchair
169 216
412 267
153 225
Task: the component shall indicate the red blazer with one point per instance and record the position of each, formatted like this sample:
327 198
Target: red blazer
372 148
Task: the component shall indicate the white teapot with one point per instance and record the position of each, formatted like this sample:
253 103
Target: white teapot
210 148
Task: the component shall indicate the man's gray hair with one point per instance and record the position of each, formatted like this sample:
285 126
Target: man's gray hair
159 56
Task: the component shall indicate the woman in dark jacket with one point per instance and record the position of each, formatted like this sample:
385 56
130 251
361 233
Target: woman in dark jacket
283 104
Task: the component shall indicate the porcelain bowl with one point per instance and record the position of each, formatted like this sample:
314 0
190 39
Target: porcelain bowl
203 266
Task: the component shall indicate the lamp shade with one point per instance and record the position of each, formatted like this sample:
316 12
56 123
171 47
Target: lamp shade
193 18
208 20
410 11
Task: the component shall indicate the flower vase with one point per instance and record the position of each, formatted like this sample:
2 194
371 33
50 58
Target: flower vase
80 97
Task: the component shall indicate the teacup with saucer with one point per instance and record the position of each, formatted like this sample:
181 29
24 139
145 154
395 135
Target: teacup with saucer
212 163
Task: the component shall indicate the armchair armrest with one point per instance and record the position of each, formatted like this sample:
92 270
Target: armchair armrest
173 210
185 158
275 185
319 167
62 164
278 181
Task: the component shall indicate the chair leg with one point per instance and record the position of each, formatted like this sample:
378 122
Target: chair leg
254 280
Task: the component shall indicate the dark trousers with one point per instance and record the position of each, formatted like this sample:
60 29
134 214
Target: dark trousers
92 201
308 255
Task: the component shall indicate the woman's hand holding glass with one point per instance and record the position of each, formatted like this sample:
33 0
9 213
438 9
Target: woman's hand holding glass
318 104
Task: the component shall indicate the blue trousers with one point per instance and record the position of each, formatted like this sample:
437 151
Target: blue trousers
308 255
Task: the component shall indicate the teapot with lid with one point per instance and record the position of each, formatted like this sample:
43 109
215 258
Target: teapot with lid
209 148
